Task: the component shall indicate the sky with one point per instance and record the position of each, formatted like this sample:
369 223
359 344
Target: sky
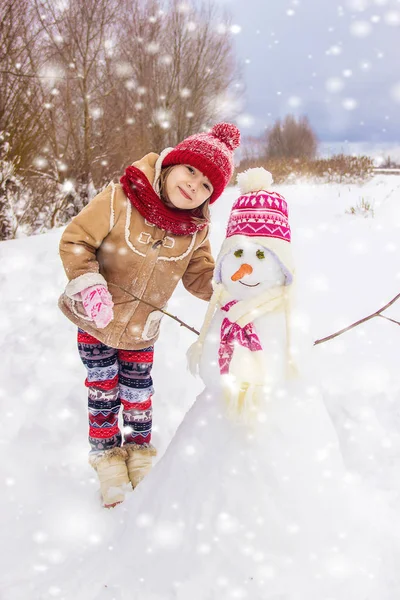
332 61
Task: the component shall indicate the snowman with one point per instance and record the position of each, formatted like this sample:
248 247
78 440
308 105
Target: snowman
244 344
251 499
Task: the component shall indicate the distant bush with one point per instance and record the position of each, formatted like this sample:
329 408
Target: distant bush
388 163
293 139
337 169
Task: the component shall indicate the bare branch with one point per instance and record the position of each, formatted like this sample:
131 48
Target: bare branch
389 319
375 314
136 298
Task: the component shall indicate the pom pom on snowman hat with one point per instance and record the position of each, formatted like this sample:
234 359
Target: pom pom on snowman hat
254 180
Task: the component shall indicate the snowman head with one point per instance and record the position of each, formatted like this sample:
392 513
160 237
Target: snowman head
256 254
249 269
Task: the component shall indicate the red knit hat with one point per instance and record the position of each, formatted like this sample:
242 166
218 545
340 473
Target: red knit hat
211 153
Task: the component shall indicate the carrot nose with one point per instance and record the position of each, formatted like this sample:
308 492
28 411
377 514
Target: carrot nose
243 270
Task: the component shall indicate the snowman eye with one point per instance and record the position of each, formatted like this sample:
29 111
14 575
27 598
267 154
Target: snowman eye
260 254
238 253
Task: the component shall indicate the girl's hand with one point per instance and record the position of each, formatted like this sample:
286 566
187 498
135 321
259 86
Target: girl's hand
98 305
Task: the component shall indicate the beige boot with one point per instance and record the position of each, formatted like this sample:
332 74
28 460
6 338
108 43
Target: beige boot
139 461
112 473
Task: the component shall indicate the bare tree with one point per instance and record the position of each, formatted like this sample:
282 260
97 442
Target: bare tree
20 110
72 80
21 129
178 63
291 139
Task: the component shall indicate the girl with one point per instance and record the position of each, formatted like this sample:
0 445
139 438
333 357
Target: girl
128 247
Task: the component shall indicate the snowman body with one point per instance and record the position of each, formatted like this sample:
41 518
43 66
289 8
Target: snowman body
246 274
271 330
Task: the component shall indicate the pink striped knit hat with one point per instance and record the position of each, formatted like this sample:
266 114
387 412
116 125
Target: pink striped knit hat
257 212
259 216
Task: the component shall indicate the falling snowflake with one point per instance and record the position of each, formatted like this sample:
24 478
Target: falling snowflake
40 537
167 534
294 101
144 520
360 29
183 7
54 591
334 50
357 5
349 103
204 549
40 162
50 73
334 85
96 112
162 117
267 572
226 524
392 18
68 186
165 59
152 48
293 528
123 69
245 120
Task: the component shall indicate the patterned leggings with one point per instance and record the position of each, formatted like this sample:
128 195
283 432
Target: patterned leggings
115 377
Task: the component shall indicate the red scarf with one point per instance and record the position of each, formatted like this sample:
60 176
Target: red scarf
231 334
143 197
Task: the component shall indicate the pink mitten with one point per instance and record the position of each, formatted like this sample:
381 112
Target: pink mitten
98 304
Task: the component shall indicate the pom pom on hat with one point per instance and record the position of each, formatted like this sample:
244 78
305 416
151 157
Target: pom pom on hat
211 153
227 133
254 180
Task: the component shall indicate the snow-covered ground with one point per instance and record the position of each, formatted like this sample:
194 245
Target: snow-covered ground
52 522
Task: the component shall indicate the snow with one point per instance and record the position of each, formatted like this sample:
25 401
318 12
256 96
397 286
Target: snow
60 542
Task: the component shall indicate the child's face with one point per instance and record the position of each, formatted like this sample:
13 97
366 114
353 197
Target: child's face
187 188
